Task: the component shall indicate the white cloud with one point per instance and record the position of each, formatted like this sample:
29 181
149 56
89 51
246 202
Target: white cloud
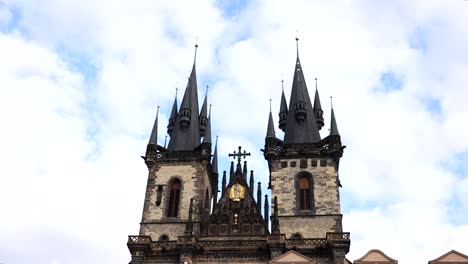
72 147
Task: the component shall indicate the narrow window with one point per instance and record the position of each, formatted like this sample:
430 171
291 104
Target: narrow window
174 197
304 192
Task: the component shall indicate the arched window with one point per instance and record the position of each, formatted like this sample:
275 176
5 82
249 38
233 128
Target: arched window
305 192
174 197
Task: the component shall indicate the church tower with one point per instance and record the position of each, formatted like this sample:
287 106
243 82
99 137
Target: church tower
304 173
183 220
181 181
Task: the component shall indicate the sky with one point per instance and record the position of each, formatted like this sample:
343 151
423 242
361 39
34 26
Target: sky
80 82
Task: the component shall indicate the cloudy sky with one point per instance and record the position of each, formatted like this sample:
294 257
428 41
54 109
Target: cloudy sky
80 81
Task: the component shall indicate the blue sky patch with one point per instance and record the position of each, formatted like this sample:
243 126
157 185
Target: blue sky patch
417 39
231 8
432 105
12 22
390 82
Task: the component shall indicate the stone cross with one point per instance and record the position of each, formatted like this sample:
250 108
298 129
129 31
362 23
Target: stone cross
239 154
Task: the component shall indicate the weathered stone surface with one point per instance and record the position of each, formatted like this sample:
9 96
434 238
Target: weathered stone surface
195 181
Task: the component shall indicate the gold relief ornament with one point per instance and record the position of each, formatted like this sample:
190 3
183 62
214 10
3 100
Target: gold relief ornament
237 192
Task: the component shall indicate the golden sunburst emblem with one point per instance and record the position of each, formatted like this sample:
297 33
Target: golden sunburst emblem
237 192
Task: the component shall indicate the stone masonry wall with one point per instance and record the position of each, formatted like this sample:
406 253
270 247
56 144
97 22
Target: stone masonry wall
310 226
195 180
326 193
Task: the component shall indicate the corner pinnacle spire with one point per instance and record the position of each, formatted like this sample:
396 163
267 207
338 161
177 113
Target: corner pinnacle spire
214 163
204 115
333 125
271 128
283 113
318 108
207 136
154 133
173 116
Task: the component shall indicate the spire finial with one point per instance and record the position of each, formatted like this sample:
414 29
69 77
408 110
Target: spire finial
282 84
165 141
331 101
316 83
270 105
297 44
210 111
176 90
196 47
207 87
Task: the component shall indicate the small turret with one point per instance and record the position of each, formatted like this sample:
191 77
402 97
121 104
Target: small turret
283 113
172 118
204 116
318 108
300 105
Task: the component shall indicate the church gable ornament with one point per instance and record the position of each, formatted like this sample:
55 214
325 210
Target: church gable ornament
237 192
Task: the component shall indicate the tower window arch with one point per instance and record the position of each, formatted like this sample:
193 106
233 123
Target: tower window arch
174 198
305 192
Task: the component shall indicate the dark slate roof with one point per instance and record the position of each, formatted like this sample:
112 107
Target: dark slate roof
204 108
154 133
174 109
333 126
271 128
214 163
207 137
307 131
317 105
187 139
283 105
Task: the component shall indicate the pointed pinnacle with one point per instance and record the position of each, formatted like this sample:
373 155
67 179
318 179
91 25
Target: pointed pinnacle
154 133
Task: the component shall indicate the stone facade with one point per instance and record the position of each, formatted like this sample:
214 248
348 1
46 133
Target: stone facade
303 216
195 181
326 206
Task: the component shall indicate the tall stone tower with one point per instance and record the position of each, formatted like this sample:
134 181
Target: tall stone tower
181 182
184 221
304 172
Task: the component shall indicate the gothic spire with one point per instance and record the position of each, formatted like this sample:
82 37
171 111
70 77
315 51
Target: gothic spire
266 208
172 118
204 115
271 127
244 171
207 136
275 228
301 122
189 225
251 182
214 163
283 113
231 172
318 108
223 183
186 134
154 133
333 126
259 196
